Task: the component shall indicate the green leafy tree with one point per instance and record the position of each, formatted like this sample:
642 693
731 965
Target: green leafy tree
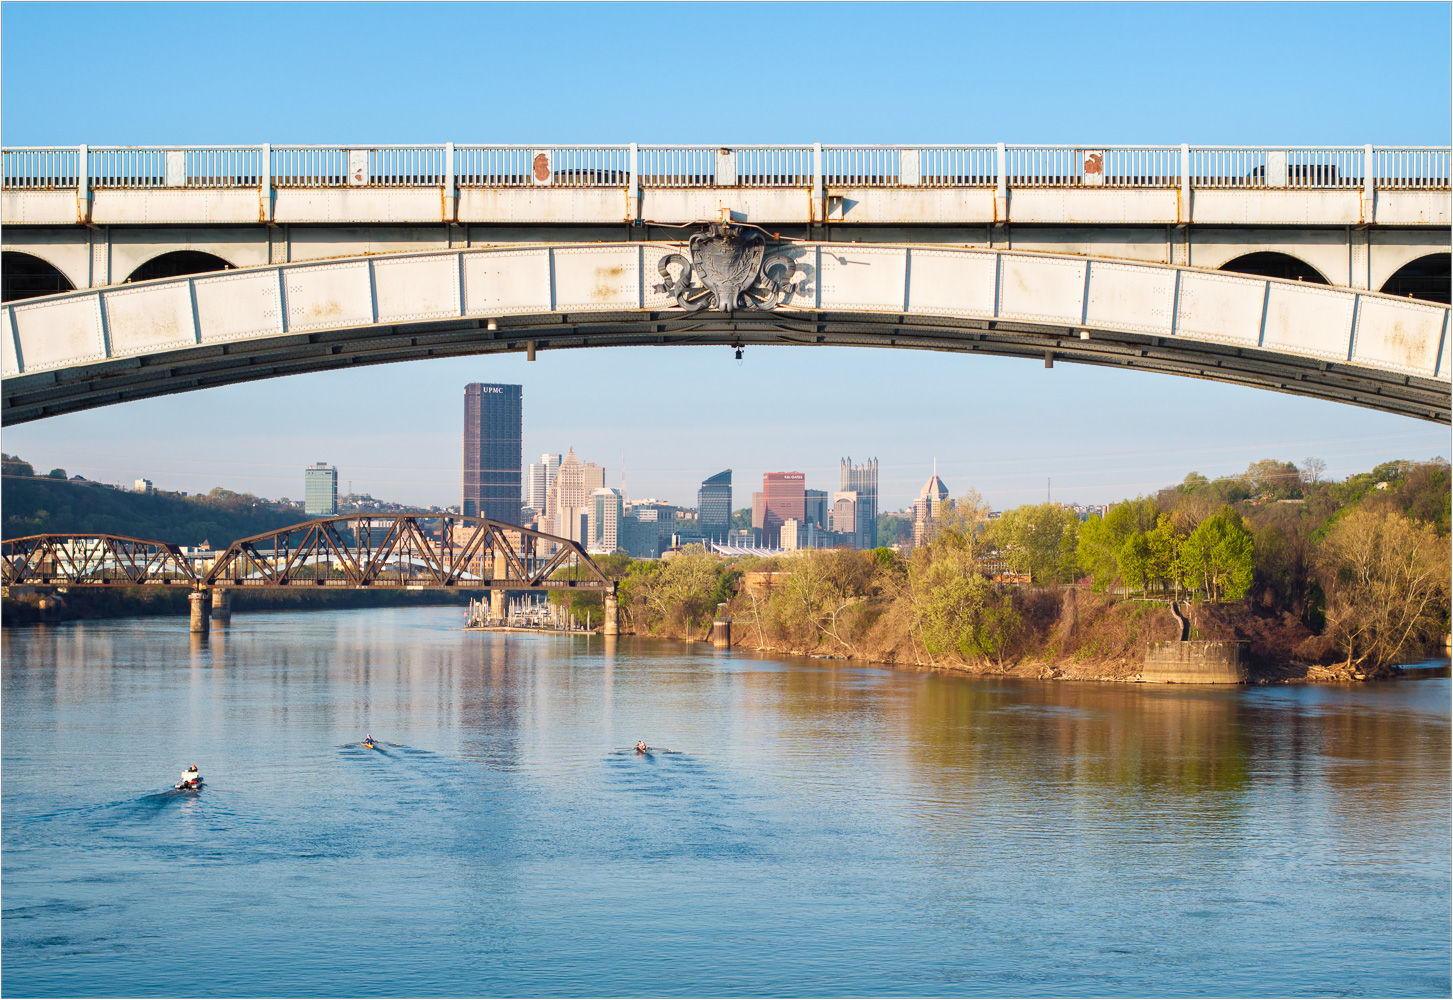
1218 557
894 529
1040 540
958 610
1102 538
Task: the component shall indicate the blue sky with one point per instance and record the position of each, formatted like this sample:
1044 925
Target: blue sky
933 73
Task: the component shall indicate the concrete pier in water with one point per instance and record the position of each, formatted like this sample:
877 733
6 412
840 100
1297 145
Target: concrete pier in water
1197 662
201 611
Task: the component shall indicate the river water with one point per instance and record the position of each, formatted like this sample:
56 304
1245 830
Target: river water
817 828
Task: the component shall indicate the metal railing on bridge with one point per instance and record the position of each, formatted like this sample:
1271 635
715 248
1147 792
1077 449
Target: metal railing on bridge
806 166
414 551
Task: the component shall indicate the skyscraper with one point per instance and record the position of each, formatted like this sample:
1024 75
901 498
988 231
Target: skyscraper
605 520
493 423
928 508
568 500
817 508
320 490
782 498
714 506
863 480
542 474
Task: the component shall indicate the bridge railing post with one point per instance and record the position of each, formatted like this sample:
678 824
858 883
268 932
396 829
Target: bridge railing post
1001 187
633 185
451 202
83 185
1183 216
1369 196
264 183
819 205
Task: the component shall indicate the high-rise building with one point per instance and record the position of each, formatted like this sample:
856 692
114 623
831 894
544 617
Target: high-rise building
928 508
782 498
714 506
642 539
568 500
320 490
845 514
863 480
493 424
542 474
816 507
604 522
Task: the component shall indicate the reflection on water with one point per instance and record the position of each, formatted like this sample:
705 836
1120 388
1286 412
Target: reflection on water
816 828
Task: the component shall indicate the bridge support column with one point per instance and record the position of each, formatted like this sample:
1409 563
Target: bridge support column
201 611
612 623
721 628
497 593
222 604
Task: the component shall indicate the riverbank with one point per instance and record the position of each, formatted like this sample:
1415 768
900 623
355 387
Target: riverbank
1074 634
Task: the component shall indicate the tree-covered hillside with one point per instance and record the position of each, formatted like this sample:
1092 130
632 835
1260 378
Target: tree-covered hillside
34 505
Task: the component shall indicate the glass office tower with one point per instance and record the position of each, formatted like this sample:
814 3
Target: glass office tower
320 490
714 506
493 423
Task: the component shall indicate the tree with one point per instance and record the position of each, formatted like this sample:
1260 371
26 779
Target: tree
1270 478
1102 538
1039 539
966 520
957 610
894 528
685 590
1386 577
14 466
56 474
1313 469
1218 557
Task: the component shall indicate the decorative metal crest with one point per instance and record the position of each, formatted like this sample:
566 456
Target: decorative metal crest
734 270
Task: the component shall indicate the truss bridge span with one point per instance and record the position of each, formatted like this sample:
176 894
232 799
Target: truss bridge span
412 551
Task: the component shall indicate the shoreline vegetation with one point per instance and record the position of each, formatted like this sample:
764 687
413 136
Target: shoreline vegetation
1324 581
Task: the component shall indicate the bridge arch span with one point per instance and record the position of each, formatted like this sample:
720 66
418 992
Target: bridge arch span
1275 264
1427 278
28 275
101 346
179 263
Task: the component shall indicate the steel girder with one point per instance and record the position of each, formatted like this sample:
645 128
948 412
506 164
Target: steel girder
412 551
94 561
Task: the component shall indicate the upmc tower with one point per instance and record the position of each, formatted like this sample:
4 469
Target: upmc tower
492 451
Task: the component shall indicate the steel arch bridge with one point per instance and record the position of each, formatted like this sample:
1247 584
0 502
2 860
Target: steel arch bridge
90 348
410 551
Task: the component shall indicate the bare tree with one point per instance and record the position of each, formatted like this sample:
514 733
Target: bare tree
1386 578
1313 469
